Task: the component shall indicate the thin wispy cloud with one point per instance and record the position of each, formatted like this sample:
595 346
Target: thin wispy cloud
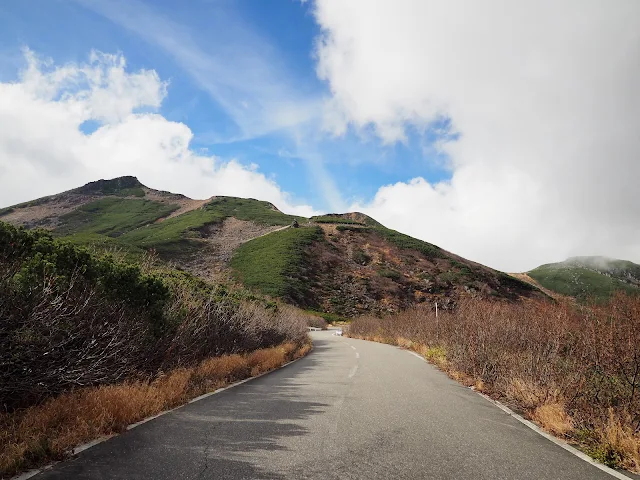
241 72
238 69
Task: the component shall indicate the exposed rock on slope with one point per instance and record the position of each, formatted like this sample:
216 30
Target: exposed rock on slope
344 264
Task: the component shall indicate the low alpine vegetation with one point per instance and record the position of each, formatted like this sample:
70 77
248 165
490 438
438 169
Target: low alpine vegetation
574 369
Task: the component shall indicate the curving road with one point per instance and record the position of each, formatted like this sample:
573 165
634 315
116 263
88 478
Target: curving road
350 410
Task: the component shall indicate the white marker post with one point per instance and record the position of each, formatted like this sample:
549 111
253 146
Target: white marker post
437 325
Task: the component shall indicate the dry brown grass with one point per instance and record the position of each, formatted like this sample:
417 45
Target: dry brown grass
525 394
574 369
621 442
39 434
553 418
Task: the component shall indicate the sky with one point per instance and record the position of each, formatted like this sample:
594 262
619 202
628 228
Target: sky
505 132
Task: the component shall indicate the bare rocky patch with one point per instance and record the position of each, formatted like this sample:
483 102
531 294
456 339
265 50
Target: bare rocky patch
218 244
46 213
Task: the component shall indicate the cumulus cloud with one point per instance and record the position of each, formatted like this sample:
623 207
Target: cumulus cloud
45 147
543 97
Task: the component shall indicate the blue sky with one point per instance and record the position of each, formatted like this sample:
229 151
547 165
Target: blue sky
247 58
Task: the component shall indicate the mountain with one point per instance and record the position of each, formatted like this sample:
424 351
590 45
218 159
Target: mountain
340 264
589 277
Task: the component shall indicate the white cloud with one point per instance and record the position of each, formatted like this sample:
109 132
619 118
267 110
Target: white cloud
43 149
545 98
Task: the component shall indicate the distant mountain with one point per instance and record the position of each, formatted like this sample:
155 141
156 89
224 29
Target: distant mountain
341 264
584 277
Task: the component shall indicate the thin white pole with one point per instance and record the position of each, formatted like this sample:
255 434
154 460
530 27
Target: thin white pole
436 309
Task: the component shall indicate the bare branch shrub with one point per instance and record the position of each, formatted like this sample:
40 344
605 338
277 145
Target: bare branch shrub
70 319
532 354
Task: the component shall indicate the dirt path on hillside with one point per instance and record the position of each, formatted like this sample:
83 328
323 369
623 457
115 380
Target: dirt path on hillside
526 278
233 233
221 240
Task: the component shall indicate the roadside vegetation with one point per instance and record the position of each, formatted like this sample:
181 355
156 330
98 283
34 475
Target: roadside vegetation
89 343
574 369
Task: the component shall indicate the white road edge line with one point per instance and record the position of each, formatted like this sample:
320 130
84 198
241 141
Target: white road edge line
93 443
546 435
353 347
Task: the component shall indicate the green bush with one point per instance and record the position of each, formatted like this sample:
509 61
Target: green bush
361 257
390 273
39 255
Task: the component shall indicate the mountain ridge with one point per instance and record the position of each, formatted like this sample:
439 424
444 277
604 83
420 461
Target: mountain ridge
589 277
345 264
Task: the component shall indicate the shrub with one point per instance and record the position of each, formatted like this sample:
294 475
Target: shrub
390 273
72 319
361 257
573 368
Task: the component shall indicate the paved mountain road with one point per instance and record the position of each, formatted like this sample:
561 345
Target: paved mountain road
350 410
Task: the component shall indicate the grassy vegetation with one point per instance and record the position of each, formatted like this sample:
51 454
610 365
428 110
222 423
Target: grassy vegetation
398 239
131 192
361 257
352 228
390 273
512 282
128 223
112 216
574 369
580 283
403 241
275 264
174 234
252 210
335 219
330 317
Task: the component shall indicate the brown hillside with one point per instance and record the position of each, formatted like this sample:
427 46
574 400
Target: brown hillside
358 271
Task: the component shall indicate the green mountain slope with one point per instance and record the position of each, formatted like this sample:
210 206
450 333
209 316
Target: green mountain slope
589 277
345 264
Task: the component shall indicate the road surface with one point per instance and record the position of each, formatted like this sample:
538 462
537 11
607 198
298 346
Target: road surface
350 410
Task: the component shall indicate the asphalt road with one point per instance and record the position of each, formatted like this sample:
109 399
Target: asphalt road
351 409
